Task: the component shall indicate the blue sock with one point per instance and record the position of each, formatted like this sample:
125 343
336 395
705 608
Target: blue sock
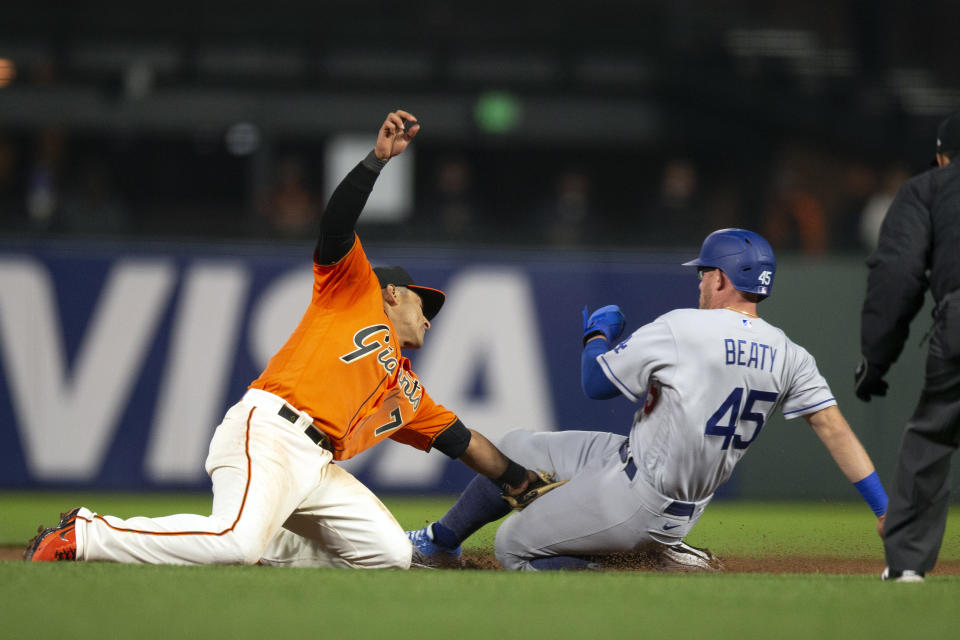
444 537
479 504
563 563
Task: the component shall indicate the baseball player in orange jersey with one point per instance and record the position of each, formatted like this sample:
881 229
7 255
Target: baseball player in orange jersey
337 387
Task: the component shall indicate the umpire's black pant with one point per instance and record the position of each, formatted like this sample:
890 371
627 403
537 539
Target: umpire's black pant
917 513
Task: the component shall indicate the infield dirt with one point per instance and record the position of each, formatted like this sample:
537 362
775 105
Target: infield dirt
731 564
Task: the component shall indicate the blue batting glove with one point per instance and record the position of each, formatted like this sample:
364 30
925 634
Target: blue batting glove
607 320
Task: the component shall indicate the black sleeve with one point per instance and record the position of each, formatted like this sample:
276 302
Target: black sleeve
342 211
453 441
898 274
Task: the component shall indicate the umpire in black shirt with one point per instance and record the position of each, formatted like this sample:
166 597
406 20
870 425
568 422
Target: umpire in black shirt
919 248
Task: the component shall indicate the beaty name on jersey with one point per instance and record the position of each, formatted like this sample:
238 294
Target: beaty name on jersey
747 353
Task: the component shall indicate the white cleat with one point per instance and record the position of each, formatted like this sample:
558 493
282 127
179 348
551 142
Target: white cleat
907 575
683 557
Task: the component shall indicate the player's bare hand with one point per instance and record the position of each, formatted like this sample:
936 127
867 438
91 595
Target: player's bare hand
535 484
515 491
880 522
397 132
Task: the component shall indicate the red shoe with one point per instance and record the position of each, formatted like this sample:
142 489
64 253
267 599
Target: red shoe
57 543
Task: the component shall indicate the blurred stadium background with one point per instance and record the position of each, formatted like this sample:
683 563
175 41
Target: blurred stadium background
162 168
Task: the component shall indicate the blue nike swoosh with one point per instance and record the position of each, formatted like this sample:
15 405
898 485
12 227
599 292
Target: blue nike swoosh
667 527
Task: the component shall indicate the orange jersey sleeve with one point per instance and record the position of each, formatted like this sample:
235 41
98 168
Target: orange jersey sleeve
431 420
343 367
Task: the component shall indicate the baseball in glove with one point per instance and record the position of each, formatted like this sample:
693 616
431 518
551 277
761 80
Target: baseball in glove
543 484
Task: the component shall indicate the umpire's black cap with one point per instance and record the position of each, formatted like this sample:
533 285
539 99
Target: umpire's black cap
398 276
948 135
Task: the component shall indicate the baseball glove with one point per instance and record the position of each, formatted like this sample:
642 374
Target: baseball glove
544 483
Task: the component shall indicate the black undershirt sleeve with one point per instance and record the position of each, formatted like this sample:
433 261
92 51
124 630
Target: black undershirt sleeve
342 211
453 441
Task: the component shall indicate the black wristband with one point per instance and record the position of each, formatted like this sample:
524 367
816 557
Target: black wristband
513 476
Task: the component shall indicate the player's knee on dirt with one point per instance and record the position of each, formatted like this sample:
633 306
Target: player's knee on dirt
391 551
396 553
510 561
510 552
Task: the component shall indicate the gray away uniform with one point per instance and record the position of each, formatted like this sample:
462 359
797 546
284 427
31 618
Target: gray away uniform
710 379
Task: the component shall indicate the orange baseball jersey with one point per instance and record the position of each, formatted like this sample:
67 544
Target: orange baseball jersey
342 366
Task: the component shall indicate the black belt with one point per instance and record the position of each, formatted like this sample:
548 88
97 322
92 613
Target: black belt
675 508
319 438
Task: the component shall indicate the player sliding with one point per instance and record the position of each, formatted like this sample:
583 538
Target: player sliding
337 387
709 379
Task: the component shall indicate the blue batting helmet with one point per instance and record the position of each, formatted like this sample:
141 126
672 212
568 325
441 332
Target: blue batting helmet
746 257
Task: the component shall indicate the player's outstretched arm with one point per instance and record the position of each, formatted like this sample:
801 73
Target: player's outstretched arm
484 458
348 199
842 443
845 448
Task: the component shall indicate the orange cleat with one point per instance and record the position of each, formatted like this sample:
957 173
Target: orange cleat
56 543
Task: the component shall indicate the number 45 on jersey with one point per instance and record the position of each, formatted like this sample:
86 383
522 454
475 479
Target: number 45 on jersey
731 407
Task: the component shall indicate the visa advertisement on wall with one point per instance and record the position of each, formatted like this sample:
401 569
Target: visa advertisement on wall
117 361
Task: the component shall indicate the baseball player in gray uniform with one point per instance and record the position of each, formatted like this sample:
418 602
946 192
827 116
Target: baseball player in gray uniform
708 380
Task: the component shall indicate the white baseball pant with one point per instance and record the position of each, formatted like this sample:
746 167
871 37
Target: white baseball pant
276 498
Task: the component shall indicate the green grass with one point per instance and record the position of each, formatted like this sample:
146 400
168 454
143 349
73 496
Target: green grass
89 601
104 600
